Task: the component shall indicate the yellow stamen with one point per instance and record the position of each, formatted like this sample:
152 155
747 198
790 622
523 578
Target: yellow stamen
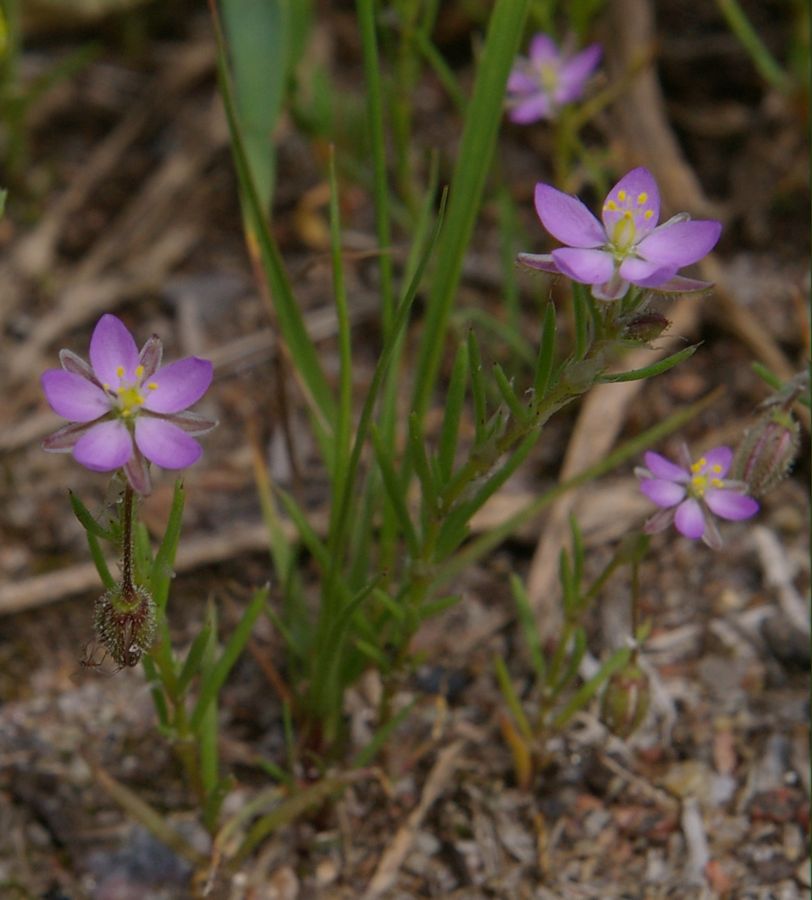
642 198
717 482
621 195
139 372
120 371
153 385
611 205
648 214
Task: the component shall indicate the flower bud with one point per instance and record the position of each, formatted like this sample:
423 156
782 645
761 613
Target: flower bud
125 623
767 452
625 700
646 327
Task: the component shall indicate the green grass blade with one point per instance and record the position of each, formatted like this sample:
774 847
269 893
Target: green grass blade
395 493
455 400
216 676
257 33
482 121
161 571
374 103
291 324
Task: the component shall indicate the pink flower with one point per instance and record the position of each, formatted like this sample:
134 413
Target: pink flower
626 246
689 495
547 79
124 409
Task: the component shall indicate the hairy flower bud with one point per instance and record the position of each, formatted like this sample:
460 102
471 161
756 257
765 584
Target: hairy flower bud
625 700
767 451
125 623
646 327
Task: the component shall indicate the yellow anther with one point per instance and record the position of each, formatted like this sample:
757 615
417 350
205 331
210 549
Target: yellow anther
648 214
716 468
106 385
153 385
621 195
611 205
717 482
642 198
139 372
120 371
699 465
627 214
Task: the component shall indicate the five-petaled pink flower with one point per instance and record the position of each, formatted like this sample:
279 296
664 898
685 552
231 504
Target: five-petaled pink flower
626 246
547 79
124 409
689 493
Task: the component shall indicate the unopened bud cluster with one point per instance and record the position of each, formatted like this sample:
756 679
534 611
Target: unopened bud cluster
766 453
625 700
125 623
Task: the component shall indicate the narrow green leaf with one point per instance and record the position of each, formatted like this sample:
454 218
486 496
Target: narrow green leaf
395 492
527 622
194 659
374 106
573 662
512 698
455 400
156 691
88 521
291 323
656 368
477 388
518 409
162 569
482 122
216 676
588 690
580 310
367 753
433 608
425 474
99 561
546 355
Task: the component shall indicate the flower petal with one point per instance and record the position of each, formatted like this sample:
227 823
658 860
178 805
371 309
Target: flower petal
586 266
112 346
137 471
664 468
613 289
731 505
635 193
150 357
73 396
65 438
689 519
645 273
680 243
178 385
567 219
680 285
574 73
543 261
663 493
165 444
543 49
720 457
104 447
534 107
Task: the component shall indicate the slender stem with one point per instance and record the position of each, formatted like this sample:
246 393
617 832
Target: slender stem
127 586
